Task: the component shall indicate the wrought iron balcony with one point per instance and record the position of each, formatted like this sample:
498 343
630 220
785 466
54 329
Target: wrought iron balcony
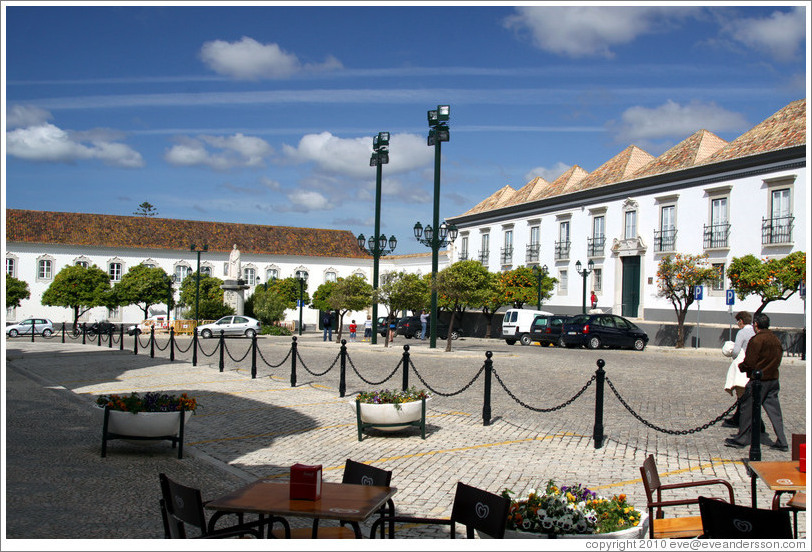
777 230
665 240
562 250
483 256
532 255
716 236
595 245
506 255
463 256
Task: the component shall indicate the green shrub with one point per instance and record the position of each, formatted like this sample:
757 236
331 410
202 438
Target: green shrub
275 330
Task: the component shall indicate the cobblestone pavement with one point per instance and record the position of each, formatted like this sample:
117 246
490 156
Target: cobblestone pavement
249 428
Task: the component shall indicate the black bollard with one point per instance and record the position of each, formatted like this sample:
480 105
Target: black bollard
222 349
342 380
254 356
194 348
63 332
84 333
405 383
152 342
171 344
755 429
486 406
121 338
33 329
110 343
293 362
597 431
135 340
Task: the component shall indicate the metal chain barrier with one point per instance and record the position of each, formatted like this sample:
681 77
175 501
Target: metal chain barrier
161 348
116 339
140 343
299 356
546 410
52 336
287 356
231 357
186 350
676 431
200 348
465 388
384 380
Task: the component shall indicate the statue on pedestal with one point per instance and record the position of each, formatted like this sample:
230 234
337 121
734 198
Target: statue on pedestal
234 270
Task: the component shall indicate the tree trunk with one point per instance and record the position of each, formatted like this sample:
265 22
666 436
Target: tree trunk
450 331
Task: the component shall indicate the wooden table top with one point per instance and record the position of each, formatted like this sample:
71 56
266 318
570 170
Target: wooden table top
338 500
780 476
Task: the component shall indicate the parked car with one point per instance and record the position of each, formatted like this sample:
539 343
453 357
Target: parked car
546 329
102 327
516 325
382 325
410 327
230 325
157 320
602 330
42 326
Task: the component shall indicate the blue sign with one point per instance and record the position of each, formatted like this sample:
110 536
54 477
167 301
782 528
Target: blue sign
698 293
299 303
730 297
802 290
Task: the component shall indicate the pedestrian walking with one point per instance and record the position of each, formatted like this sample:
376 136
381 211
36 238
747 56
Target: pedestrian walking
353 329
327 324
594 299
424 322
736 380
368 328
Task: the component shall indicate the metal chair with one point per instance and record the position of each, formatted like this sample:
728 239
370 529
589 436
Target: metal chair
478 510
677 527
732 521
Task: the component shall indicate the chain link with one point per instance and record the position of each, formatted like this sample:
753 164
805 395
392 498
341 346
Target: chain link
274 365
231 357
465 388
161 348
299 356
551 409
387 378
200 348
675 431
140 343
186 350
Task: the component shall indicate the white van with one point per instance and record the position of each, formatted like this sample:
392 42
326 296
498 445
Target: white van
516 325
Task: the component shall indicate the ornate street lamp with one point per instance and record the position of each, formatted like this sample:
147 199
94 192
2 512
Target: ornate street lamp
301 276
584 273
438 133
540 274
193 247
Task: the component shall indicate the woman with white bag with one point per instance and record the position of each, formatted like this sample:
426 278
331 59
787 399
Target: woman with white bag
736 380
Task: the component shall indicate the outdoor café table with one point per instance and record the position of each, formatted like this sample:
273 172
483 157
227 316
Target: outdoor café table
339 501
778 476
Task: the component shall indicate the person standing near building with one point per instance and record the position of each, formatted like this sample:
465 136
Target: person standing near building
424 322
763 353
353 329
594 299
736 380
368 328
327 324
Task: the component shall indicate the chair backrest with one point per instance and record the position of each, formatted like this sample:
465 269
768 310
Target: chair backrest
182 504
480 510
797 439
651 480
356 473
722 520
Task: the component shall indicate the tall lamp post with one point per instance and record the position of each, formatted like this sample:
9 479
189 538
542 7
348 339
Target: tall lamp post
193 247
301 276
584 273
169 281
377 242
539 273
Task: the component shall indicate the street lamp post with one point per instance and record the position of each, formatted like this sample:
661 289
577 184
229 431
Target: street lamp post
301 276
436 234
377 241
584 273
540 273
193 247
169 281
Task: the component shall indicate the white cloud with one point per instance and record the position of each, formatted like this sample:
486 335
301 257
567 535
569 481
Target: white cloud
548 174
781 35
219 152
26 116
672 120
581 31
249 59
307 200
49 143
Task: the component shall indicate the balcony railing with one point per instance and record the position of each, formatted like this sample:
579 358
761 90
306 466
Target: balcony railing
665 240
777 230
562 250
533 253
506 255
483 256
595 245
463 255
716 236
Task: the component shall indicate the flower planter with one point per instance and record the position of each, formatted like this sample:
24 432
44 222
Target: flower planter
144 427
639 531
388 417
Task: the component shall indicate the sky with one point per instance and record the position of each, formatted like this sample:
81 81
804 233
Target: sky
264 113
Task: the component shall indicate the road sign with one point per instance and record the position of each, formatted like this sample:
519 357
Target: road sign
802 289
730 297
698 293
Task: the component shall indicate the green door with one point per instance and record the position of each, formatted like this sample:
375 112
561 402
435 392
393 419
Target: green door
631 286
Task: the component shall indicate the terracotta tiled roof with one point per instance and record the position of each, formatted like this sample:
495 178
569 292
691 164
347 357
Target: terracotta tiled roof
617 169
160 233
691 151
530 191
498 199
566 181
784 129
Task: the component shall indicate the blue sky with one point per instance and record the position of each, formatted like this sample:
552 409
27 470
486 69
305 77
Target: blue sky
265 113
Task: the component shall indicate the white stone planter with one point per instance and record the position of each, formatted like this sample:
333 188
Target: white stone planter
639 531
144 428
387 417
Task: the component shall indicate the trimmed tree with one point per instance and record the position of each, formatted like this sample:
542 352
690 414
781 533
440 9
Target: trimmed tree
677 277
463 284
519 286
770 279
143 286
16 291
344 295
267 306
80 289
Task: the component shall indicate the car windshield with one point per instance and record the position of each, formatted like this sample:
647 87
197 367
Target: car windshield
579 319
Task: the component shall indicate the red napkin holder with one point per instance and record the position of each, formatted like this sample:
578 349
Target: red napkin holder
802 458
305 482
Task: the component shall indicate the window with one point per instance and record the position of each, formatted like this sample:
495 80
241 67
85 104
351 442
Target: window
717 232
464 248
249 275
718 284
778 228
665 238
562 282
114 270
147 265
44 269
534 246
597 279
271 274
330 276
181 272
10 267
507 250
630 227
562 246
484 251
83 264
596 243
205 270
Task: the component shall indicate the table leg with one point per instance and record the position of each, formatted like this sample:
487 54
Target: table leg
753 479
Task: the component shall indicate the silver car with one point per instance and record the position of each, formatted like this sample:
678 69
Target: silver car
42 326
230 325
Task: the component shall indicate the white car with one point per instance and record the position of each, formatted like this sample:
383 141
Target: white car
230 325
42 326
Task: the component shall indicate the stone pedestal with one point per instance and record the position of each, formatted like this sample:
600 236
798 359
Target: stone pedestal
234 295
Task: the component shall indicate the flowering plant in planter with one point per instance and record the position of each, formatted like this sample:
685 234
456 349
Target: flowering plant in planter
149 402
385 396
570 510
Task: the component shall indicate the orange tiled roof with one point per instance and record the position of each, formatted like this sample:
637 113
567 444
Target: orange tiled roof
617 169
115 231
498 199
533 189
691 151
570 178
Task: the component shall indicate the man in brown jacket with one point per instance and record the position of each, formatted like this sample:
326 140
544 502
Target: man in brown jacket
763 353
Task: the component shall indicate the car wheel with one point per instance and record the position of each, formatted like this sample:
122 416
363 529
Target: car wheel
206 334
13 333
561 342
455 335
639 344
408 336
250 333
594 342
46 332
525 339
510 341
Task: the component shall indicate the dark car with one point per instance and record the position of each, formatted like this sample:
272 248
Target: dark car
383 325
546 329
602 330
410 327
101 327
